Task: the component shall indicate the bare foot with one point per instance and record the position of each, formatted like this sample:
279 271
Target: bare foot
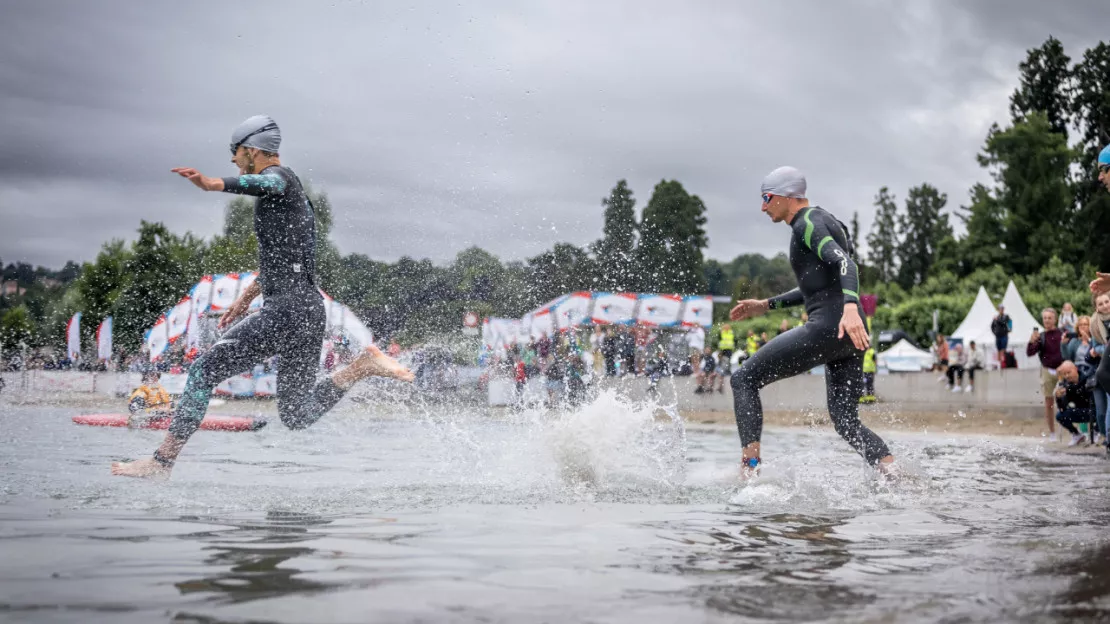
748 471
373 363
143 468
887 468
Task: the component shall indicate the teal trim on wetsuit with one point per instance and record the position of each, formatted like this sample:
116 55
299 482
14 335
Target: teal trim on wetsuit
827 279
292 322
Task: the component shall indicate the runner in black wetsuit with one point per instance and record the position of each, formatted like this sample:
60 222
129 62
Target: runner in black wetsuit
834 335
292 322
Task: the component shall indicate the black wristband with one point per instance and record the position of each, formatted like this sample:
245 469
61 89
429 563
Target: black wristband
163 460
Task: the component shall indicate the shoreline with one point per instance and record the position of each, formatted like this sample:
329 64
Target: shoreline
881 418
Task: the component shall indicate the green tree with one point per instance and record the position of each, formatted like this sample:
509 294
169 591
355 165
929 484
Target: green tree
1030 164
983 246
328 258
615 251
563 269
716 279
923 226
1044 86
16 328
672 240
236 249
101 283
161 267
882 241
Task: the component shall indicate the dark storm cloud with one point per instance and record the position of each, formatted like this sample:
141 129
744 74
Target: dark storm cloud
437 127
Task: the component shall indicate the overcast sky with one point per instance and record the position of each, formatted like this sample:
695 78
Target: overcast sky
434 127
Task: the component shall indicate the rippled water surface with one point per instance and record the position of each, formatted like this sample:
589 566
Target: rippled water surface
599 516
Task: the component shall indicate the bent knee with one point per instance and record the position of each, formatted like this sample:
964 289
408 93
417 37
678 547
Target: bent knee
743 377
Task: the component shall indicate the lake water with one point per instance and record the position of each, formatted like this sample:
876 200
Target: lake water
603 515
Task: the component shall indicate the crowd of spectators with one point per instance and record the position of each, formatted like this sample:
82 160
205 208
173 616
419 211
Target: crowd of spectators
1070 349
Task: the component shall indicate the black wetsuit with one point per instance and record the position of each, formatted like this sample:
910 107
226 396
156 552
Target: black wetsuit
292 321
827 279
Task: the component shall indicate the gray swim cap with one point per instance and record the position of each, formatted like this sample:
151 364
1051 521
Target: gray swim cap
784 182
259 131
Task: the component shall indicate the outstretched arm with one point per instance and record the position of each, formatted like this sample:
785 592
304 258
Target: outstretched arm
786 300
257 184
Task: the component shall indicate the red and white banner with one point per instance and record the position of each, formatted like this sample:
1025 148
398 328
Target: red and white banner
73 336
177 319
614 308
697 311
659 310
225 288
201 295
573 311
104 339
543 324
156 339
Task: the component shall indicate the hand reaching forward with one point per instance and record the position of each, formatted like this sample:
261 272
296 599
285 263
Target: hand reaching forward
203 182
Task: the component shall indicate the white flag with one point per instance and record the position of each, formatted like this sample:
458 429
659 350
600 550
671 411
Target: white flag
73 336
104 339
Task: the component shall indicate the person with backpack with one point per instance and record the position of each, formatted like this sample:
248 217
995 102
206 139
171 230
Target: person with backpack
1001 326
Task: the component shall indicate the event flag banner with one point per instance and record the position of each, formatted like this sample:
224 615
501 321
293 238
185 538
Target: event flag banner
225 288
104 339
697 311
156 339
177 319
573 311
659 310
73 336
201 294
614 308
543 324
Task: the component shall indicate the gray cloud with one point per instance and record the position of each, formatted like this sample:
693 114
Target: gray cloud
434 128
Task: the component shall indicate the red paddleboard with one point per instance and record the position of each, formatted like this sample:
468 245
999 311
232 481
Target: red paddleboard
211 422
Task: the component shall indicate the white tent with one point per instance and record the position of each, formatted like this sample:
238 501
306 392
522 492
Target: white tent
976 327
977 324
1024 324
903 357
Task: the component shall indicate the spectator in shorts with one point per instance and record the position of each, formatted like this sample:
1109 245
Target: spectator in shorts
1048 347
976 360
940 353
707 372
1073 398
695 340
1001 327
956 366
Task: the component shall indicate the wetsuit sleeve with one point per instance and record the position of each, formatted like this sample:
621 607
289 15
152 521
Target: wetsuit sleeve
818 237
786 299
258 185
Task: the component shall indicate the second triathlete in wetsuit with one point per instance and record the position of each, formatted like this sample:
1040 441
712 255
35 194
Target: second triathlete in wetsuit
292 321
828 279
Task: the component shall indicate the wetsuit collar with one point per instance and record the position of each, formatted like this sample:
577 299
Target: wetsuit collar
799 213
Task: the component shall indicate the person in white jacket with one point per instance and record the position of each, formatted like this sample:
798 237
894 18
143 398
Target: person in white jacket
976 360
